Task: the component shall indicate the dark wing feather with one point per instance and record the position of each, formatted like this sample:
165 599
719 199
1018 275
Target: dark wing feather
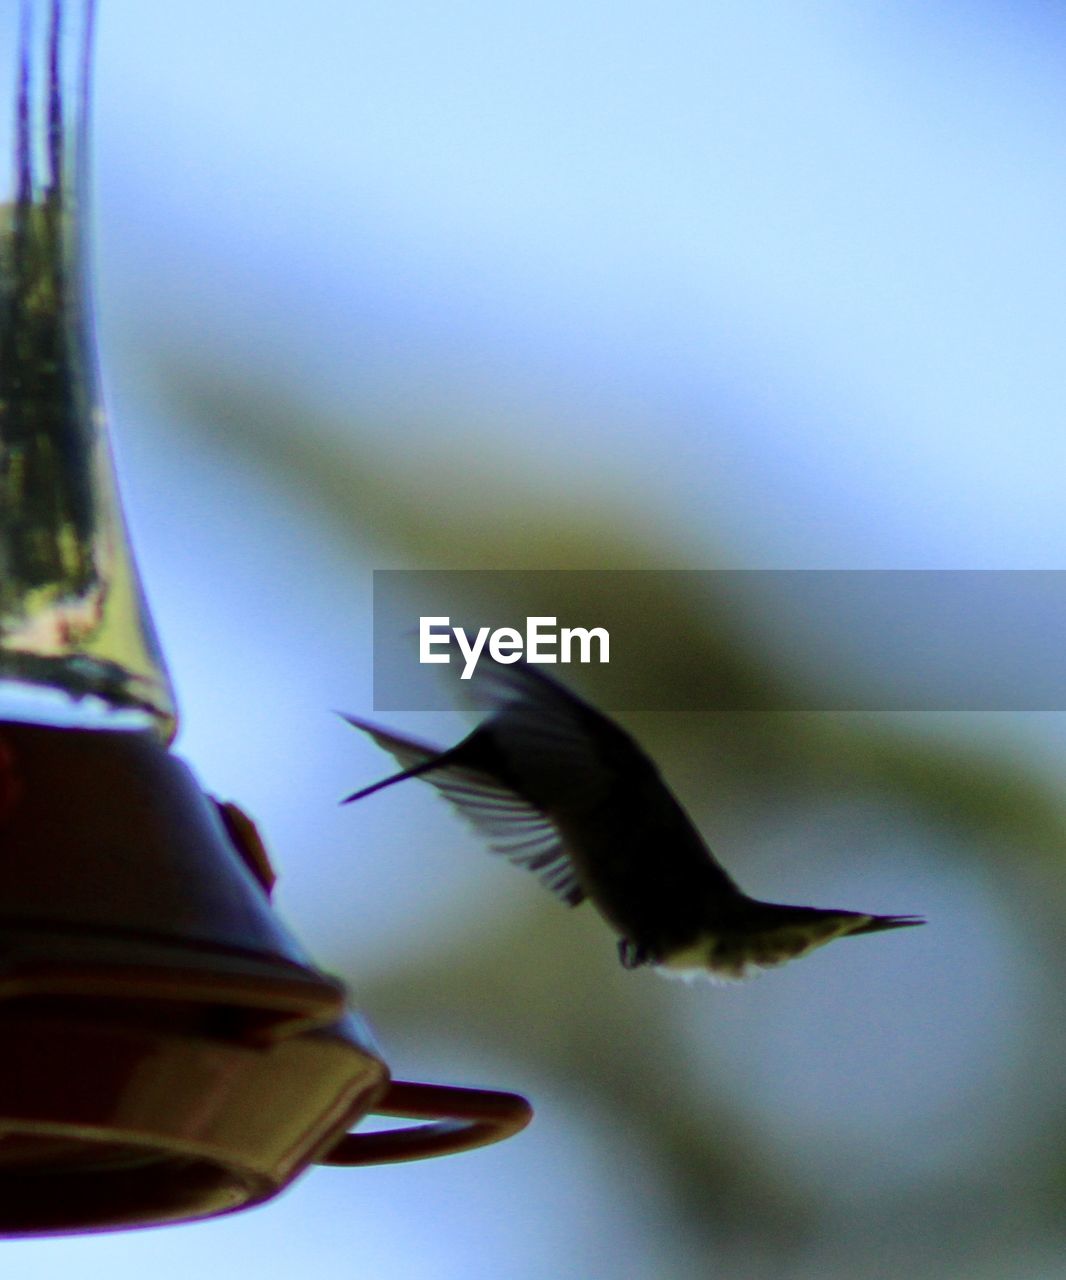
558 747
512 826
586 771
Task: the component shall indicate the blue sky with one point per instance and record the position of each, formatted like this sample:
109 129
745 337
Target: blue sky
816 248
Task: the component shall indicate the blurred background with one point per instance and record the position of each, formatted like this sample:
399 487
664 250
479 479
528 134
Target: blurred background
613 286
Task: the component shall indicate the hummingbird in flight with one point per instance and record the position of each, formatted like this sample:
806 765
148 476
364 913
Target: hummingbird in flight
558 788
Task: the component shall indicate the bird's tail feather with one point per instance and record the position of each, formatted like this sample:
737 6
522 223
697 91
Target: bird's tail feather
876 923
783 933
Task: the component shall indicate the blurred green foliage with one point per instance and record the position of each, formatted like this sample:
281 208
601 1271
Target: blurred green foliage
542 988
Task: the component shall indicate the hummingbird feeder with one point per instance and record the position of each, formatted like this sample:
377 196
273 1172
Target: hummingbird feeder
167 1049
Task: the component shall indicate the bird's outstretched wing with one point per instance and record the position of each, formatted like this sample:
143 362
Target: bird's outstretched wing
556 744
512 826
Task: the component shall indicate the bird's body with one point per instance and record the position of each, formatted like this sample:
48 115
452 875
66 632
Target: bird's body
562 790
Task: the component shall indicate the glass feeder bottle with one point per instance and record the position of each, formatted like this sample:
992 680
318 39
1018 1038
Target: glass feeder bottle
170 1052
77 644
